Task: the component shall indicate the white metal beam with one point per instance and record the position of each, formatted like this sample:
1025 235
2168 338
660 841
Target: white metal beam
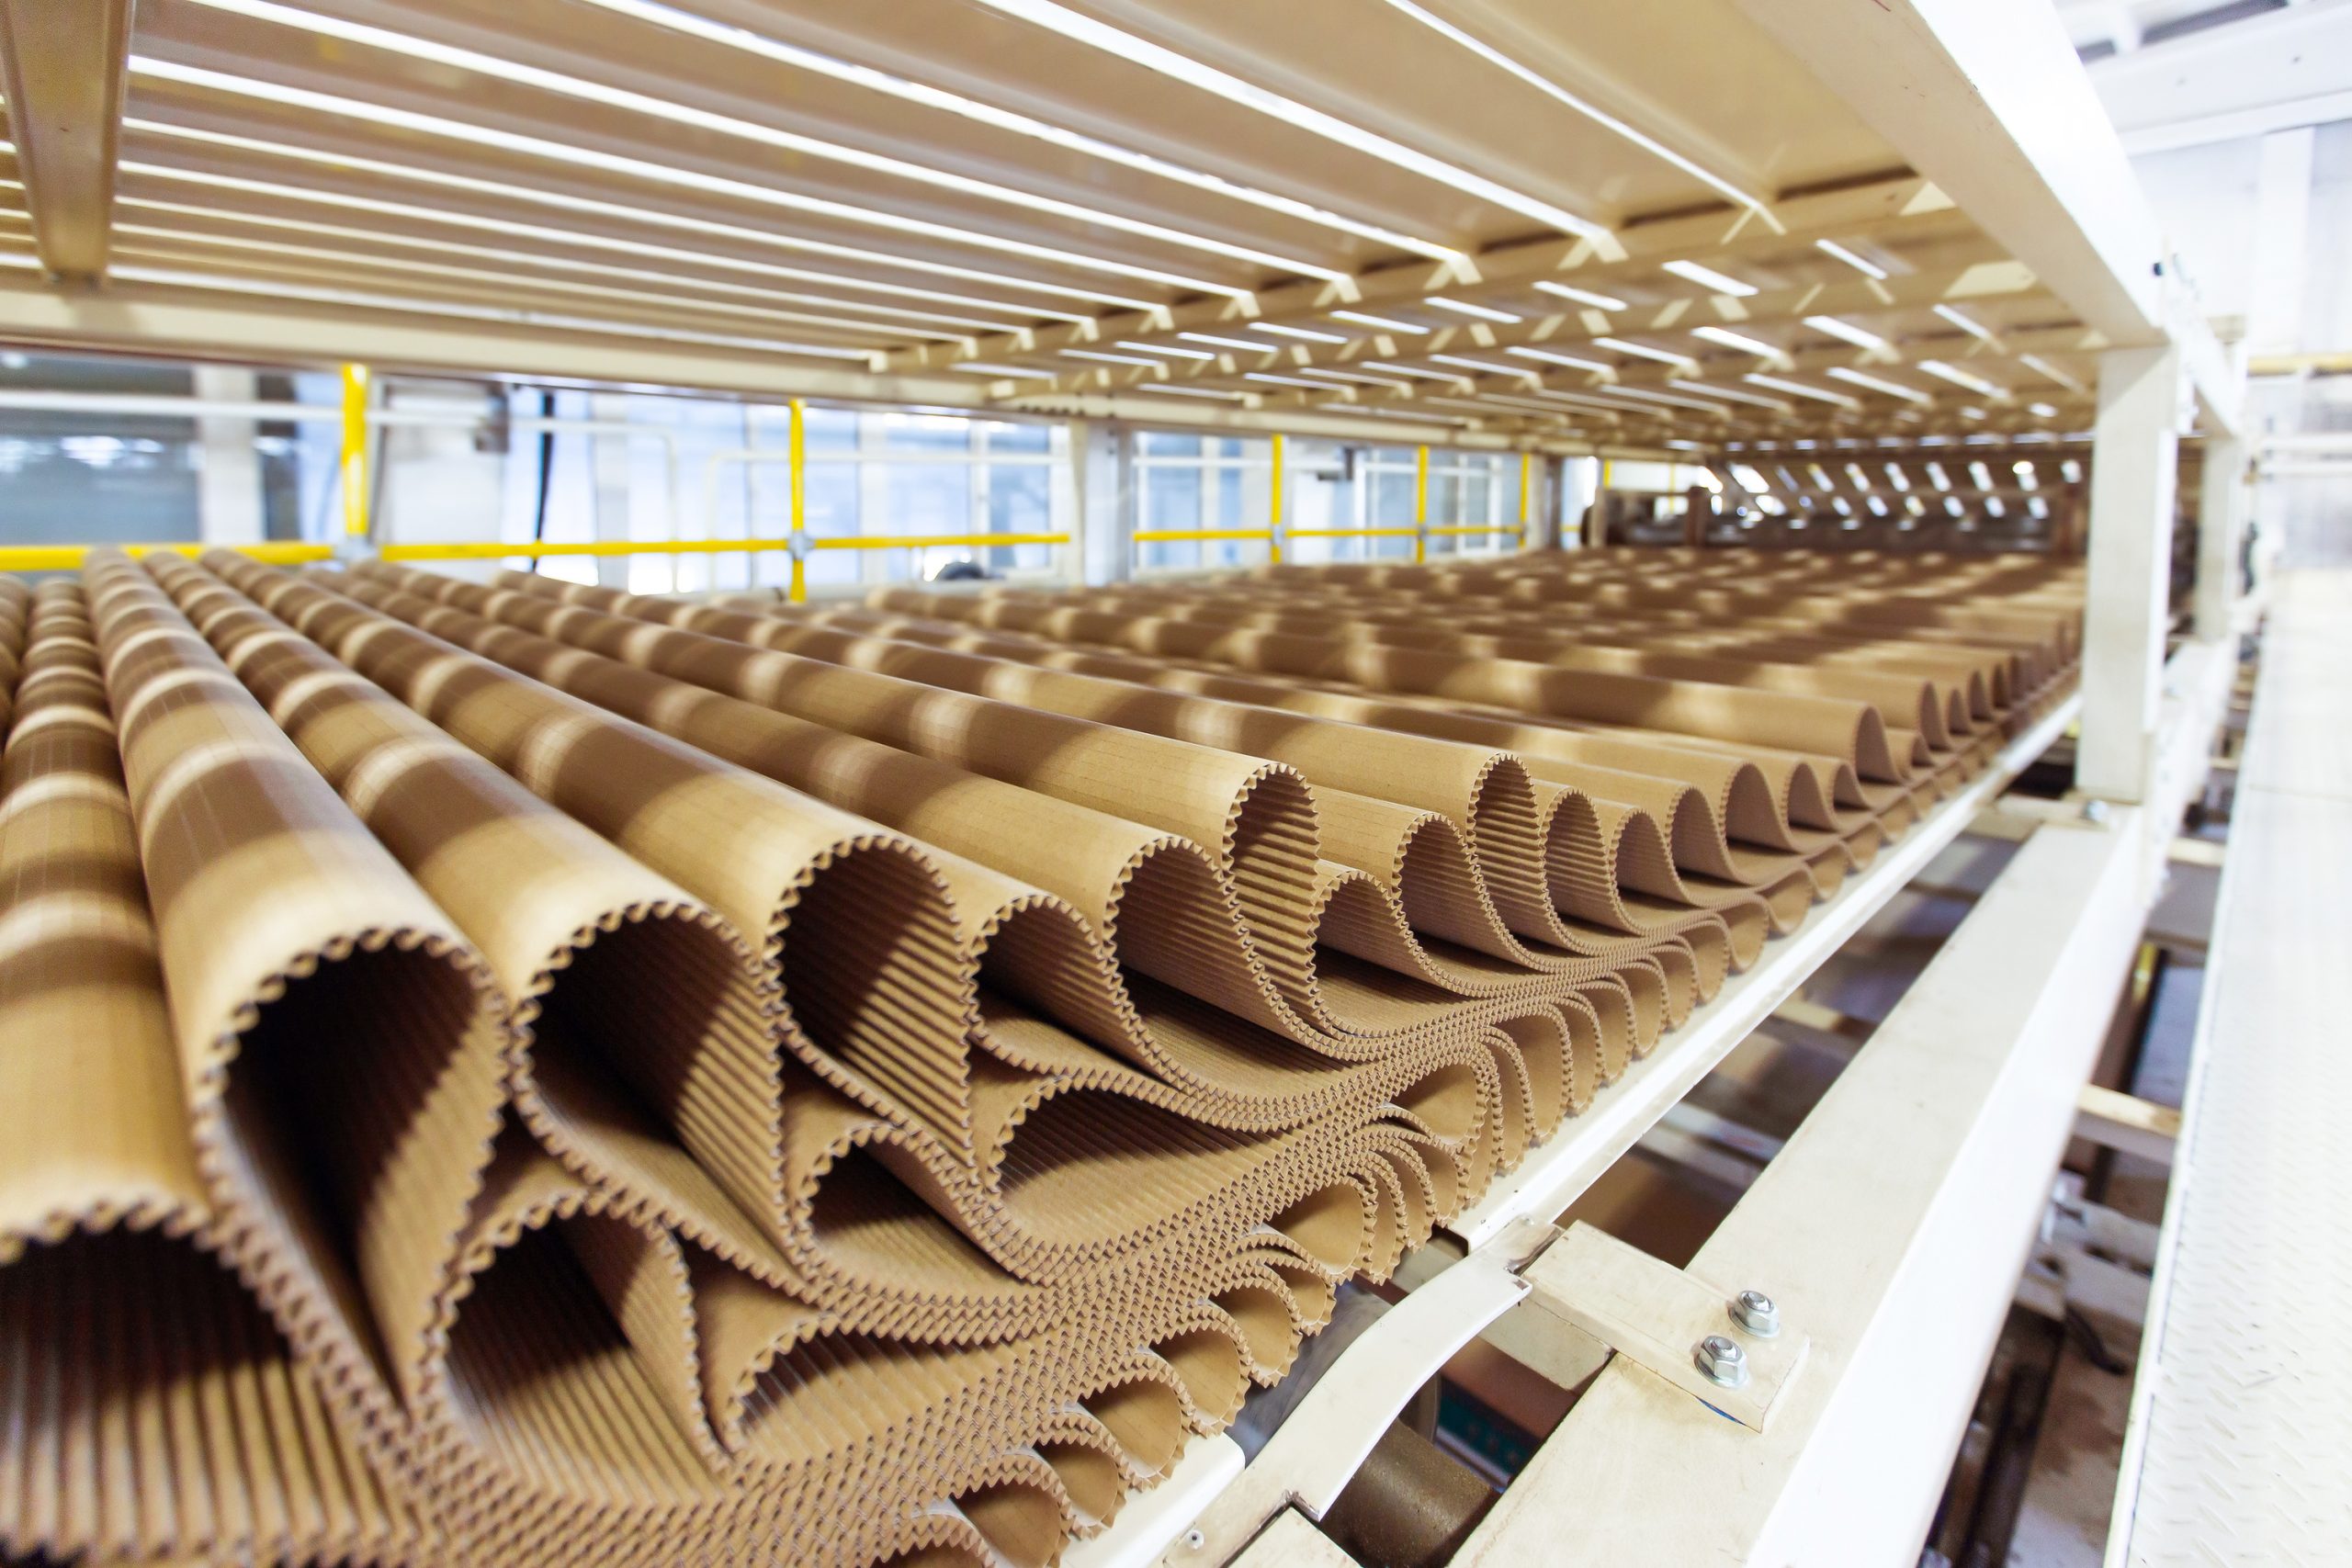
63 64
1986 98
2133 475
1891 1228
1846 213
2291 67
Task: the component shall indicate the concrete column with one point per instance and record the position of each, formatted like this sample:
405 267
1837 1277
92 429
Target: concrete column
2221 506
227 494
2135 471
1102 468
2281 241
1596 526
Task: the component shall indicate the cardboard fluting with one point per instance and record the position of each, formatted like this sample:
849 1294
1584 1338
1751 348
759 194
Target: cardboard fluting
519 1072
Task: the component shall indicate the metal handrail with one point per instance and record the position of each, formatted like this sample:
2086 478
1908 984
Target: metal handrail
1157 536
68 558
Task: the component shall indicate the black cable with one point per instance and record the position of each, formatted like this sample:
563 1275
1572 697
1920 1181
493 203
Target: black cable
547 473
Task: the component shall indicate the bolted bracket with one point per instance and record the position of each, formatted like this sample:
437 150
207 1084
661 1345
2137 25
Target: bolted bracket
1708 1342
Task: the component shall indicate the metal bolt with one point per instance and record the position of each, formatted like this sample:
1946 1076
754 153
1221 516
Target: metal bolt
1757 1312
1723 1360
1195 1541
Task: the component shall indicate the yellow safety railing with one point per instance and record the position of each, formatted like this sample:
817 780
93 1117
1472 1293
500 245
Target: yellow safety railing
69 558
540 549
1421 504
354 451
799 448
1275 509
1270 536
798 543
932 541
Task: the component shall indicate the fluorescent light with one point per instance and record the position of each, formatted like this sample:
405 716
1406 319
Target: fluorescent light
1463 308
347 163
1733 340
502 279
1709 279
1285 382
1643 351
1643 394
609 97
1167 390
1242 343
1353 375
1569 360
1853 334
1892 388
1381 323
1111 358
664 173
676 20
1971 327
1558 94
1015 372
1137 51
1958 378
1506 401
2044 410
1490 366
1859 263
696 286
174 278
1166 348
1798 389
1408 371
1579 399
1582 295
1732 393
1281 330
2035 362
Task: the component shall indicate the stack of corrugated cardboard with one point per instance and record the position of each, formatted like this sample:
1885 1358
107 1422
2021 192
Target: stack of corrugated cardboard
522 1072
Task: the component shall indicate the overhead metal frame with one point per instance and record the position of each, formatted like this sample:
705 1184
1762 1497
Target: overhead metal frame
1749 219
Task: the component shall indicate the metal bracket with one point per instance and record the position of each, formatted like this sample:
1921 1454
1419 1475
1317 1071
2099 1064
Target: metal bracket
1706 1341
1310 1459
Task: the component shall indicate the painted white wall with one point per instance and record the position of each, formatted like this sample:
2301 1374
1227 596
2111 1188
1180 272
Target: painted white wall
2263 226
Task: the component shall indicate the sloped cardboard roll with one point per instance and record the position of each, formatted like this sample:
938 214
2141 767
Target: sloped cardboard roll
515 1072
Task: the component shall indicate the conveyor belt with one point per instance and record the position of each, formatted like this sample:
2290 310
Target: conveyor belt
2239 1424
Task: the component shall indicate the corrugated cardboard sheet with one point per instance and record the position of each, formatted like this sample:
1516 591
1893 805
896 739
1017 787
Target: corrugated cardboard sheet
520 1073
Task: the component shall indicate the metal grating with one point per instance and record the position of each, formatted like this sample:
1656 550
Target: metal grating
2246 1430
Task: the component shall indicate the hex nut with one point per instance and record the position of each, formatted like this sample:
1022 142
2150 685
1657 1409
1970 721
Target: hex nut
1757 1312
1723 1360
